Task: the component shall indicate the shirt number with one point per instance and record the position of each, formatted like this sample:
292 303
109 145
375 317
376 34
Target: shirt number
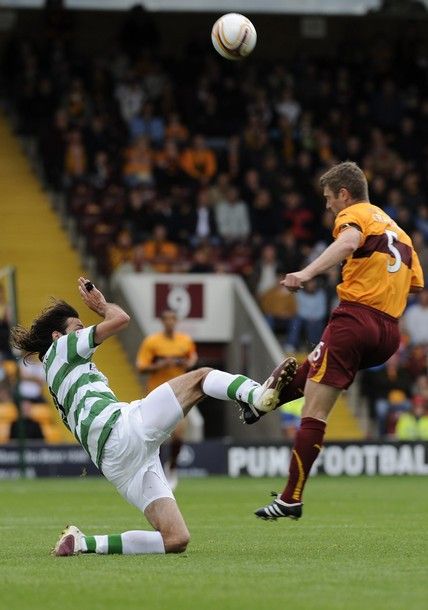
391 236
314 356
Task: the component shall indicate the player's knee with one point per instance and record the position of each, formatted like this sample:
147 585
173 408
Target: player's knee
203 371
177 543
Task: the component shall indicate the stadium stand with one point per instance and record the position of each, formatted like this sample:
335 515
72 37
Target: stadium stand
27 213
170 165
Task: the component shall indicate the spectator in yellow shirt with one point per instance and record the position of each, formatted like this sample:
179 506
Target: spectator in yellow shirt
163 356
198 161
122 250
160 253
413 425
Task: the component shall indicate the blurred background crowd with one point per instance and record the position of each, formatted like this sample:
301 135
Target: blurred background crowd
195 164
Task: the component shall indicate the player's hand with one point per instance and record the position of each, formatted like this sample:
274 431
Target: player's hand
91 296
164 363
294 281
180 361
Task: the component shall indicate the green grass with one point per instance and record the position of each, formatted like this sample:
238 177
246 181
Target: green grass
362 544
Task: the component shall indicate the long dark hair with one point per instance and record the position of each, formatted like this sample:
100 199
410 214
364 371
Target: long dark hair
38 339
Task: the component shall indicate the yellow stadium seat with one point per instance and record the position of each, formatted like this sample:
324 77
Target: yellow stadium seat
52 433
4 432
11 370
41 413
8 412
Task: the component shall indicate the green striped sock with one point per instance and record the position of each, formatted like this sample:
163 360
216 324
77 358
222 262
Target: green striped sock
91 544
115 544
104 545
242 388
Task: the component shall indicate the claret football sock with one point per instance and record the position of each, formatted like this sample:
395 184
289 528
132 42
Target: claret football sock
225 386
296 387
306 448
134 542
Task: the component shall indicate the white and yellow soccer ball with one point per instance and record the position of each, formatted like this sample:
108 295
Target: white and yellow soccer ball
233 36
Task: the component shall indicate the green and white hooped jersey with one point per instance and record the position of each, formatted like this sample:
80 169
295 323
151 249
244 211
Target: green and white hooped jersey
80 391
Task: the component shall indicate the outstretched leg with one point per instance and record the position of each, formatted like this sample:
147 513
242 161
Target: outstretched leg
192 387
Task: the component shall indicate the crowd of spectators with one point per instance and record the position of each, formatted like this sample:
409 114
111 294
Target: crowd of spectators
397 392
24 412
197 164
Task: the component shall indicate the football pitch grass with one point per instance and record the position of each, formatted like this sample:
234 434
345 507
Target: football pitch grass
362 544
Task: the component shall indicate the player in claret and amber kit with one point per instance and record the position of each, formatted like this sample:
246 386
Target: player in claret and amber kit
379 269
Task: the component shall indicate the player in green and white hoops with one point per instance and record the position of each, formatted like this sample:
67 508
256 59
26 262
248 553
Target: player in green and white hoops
123 439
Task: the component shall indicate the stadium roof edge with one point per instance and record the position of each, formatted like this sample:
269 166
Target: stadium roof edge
309 7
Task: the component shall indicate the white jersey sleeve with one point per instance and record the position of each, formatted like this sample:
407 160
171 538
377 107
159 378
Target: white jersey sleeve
85 345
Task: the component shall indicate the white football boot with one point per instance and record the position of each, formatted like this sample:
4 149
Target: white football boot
70 542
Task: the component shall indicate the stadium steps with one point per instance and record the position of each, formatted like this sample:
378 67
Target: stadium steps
33 241
342 424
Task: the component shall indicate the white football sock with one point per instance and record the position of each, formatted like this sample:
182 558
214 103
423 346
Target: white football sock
225 386
134 542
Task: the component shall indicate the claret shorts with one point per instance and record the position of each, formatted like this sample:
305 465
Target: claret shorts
356 337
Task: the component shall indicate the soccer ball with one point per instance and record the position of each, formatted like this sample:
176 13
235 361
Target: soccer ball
233 36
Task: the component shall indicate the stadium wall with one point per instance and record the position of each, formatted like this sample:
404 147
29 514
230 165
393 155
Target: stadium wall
232 459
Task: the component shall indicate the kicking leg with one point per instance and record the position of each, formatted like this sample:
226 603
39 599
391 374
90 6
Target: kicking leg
296 387
192 387
319 401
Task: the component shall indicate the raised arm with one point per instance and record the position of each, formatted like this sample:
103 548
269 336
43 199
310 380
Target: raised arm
346 243
115 319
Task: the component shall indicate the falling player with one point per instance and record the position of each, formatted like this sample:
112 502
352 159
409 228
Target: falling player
123 439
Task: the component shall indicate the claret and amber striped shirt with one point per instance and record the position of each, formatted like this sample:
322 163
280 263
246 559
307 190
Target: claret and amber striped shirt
384 267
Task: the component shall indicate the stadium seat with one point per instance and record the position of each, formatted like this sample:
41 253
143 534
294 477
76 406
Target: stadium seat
8 413
11 369
4 432
52 433
41 413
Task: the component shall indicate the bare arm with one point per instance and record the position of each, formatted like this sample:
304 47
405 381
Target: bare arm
187 363
161 363
115 319
346 243
147 360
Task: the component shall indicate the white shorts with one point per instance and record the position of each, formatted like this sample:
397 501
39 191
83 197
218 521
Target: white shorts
131 454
